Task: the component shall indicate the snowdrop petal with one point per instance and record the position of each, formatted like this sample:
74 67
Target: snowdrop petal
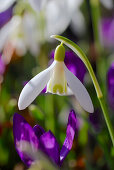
5 4
79 91
32 89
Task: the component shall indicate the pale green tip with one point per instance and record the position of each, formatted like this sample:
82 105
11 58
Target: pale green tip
59 53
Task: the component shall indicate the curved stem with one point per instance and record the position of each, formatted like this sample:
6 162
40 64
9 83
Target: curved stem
95 14
83 57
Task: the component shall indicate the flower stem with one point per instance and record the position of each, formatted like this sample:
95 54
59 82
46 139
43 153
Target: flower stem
83 57
95 14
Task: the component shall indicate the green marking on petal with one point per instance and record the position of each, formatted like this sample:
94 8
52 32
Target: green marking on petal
58 88
66 87
59 53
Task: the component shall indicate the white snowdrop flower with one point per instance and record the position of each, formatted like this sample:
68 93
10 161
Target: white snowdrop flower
59 80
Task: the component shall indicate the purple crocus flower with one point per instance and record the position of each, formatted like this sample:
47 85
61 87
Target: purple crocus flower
5 16
26 137
107 32
110 80
74 64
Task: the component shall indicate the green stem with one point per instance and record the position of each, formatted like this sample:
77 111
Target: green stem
83 57
95 14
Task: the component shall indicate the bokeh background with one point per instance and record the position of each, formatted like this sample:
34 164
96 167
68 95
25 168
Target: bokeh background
26 49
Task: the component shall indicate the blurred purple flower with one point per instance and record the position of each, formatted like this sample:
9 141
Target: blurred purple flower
107 32
2 66
5 16
74 64
38 139
110 81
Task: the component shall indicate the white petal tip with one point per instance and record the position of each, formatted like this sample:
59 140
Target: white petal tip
88 106
91 109
21 105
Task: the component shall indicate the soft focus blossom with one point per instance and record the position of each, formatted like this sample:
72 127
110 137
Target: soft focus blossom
56 78
56 14
29 140
110 79
107 32
38 4
51 17
21 33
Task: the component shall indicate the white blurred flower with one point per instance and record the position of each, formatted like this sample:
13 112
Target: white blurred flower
57 14
21 34
78 23
38 4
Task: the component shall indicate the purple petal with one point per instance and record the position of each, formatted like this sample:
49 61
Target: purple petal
38 131
50 146
110 79
74 64
71 128
24 134
5 16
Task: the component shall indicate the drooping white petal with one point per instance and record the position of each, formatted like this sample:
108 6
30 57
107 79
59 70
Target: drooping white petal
79 91
34 87
5 4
